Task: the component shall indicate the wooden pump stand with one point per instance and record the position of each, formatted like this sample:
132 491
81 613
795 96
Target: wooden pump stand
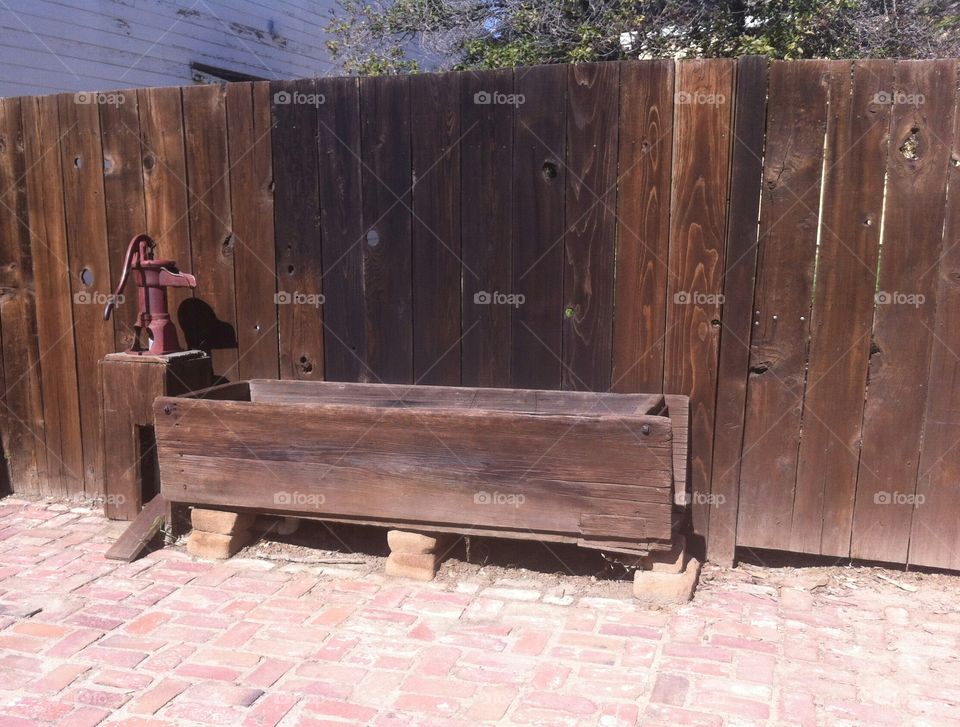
129 384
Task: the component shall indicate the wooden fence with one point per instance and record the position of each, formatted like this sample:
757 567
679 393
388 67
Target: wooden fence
588 227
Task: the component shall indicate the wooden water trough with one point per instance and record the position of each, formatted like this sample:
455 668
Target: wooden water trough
600 470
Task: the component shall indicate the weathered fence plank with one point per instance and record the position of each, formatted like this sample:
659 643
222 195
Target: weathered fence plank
787 253
539 182
486 193
251 187
698 221
840 341
55 327
643 224
21 409
435 150
934 535
385 141
924 103
591 201
296 207
740 260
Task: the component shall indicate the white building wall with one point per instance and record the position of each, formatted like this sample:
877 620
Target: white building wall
50 46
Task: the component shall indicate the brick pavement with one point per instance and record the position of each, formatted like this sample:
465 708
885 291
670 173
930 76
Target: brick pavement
170 640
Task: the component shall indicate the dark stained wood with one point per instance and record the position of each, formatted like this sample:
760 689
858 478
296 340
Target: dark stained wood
81 162
786 258
679 411
212 327
539 185
341 203
385 141
254 259
435 153
21 407
458 397
904 316
129 385
486 193
643 224
54 302
589 243
840 337
123 199
141 531
701 168
740 260
619 467
165 183
296 215
934 535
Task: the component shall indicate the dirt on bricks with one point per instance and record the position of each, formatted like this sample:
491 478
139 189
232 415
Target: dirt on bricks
311 632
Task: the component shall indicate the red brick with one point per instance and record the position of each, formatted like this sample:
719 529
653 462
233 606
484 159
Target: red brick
570 703
40 630
270 710
423 703
97 698
713 701
670 689
356 713
147 623
661 714
206 713
153 700
58 678
268 672
84 717
736 642
619 715
531 643
205 671
550 676
438 687
122 679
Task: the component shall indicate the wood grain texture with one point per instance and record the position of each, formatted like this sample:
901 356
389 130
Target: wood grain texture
740 260
934 536
385 141
296 208
251 193
589 244
645 160
435 153
698 217
21 405
486 193
55 327
165 183
341 222
840 343
539 183
81 162
123 199
786 259
917 166
212 324
613 476
141 531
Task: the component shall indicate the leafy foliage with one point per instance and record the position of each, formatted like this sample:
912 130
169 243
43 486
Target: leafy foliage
407 35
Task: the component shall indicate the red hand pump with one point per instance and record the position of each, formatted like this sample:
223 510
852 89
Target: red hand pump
153 277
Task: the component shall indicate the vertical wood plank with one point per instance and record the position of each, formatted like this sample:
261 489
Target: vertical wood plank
840 337
21 409
86 227
212 323
123 199
539 185
165 184
435 125
643 224
934 536
740 261
254 258
486 237
341 206
55 327
385 140
698 218
296 204
924 103
796 124
589 245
